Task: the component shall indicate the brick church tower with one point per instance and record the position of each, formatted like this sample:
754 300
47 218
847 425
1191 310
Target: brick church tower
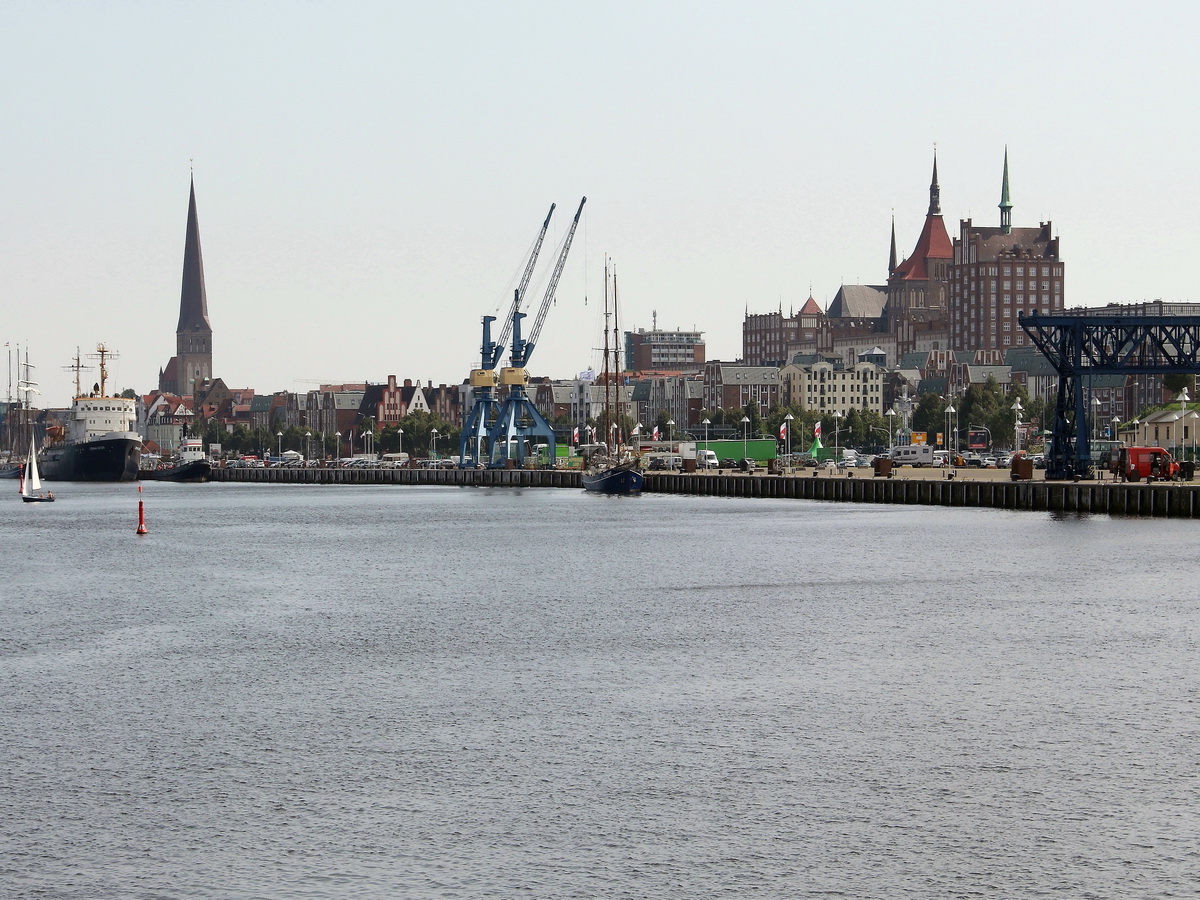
192 363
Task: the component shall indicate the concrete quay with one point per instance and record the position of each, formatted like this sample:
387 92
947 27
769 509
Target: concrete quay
924 487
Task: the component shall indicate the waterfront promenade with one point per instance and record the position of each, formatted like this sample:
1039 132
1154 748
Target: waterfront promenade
926 487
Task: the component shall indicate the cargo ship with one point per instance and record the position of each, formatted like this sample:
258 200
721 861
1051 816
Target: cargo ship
100 443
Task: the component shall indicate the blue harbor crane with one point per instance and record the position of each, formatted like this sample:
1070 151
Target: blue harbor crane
474 449
518 420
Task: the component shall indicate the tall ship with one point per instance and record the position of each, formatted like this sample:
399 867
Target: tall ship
100 443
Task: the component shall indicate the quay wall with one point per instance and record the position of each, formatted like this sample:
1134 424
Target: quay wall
1160 499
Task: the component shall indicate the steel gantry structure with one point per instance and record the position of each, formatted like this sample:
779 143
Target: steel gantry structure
474 449
519 419
1080 346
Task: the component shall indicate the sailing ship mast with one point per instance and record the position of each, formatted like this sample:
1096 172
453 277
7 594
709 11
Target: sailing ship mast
606 420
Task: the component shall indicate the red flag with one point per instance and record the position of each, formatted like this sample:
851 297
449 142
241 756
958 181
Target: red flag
575 435
654 437
783 431
817 431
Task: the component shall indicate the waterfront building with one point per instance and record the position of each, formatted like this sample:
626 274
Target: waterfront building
768 337
998 273
733 386
192 363
655 350
826 385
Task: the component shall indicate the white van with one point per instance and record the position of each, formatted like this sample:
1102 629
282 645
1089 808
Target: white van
707 459
915 455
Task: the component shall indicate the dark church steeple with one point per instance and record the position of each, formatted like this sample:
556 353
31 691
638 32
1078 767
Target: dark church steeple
935 192
892 256
193 335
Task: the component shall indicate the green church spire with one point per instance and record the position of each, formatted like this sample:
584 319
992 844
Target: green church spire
1005 202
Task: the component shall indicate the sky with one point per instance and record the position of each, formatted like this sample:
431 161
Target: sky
369 176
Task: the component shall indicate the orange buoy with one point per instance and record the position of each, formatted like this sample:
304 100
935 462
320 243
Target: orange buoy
141 529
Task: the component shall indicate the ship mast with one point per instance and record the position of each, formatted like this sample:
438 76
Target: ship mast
103 354
77 367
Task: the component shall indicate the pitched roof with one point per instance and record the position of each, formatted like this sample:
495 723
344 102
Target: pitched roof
811 308
858 301
934 243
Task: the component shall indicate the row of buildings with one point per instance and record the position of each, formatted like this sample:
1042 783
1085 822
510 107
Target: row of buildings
946 317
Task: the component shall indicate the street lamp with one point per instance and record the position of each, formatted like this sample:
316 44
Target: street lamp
706 423
279 452
891 417
399 439
837 418
307 445
952 454
433 433
338 437
670 430
1095 416
1017 410
745 437
788 418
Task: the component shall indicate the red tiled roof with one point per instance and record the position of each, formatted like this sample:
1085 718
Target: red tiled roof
934 243
811 308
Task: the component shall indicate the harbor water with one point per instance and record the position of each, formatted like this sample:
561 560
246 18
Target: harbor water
445 692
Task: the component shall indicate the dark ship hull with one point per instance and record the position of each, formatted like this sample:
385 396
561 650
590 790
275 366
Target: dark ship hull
622 479
106 459
196 470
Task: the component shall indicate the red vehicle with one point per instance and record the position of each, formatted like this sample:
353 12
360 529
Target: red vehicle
1150 463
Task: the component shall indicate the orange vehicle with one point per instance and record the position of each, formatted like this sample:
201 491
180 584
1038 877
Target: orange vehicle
1150 463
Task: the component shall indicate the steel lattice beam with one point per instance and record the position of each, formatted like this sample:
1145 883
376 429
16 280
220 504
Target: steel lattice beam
1078 346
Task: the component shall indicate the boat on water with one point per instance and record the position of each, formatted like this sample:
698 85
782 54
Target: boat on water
100 443
613 468
193 465
31 484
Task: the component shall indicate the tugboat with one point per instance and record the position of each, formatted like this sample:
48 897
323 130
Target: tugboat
100 443
192 465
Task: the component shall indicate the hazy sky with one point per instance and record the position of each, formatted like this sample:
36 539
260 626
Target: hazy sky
370 175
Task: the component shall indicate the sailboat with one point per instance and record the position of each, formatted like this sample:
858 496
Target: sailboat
31 484
612 471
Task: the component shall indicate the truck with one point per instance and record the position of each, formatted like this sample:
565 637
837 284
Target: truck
1149 463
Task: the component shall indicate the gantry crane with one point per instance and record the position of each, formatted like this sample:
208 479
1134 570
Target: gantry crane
474 448
518 418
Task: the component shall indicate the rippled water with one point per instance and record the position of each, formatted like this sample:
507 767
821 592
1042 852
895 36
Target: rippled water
301 692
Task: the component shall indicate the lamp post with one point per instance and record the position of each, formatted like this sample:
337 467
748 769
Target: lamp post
952 453
279 451
1116 423
1183 399
891 417
670 430
706 423
337 436
1095 416
837 419
307 445
788 418
745 437
1017 410
399 440
433 433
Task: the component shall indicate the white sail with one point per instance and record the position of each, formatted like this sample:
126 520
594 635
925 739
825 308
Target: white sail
32 481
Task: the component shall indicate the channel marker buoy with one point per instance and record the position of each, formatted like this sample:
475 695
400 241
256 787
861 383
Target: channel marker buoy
141 529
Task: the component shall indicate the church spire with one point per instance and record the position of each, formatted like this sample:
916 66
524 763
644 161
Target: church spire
892 257
935 192
193 303
1005 202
